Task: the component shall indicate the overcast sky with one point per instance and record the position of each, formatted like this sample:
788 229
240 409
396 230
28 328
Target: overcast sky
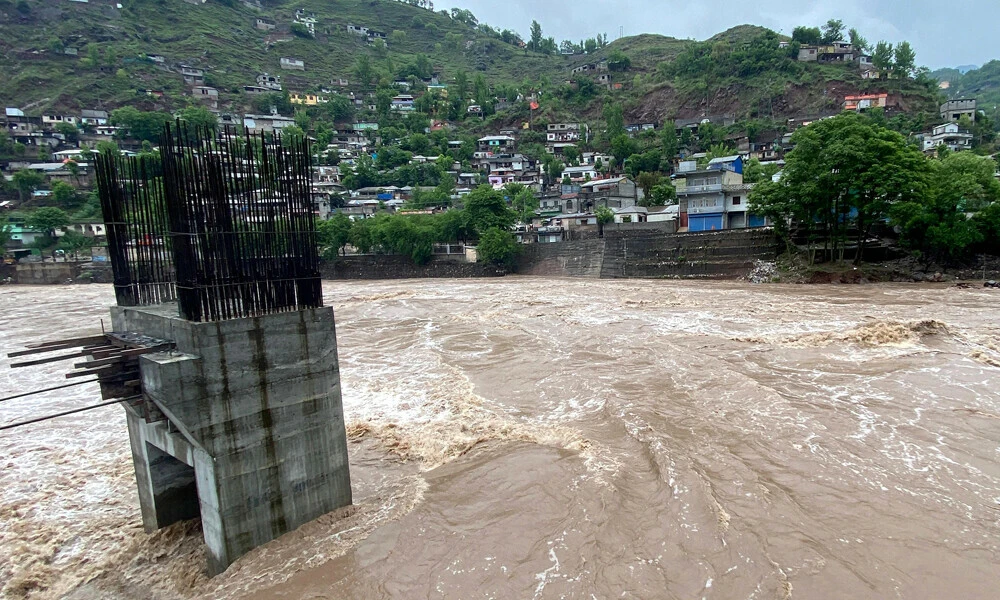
943 33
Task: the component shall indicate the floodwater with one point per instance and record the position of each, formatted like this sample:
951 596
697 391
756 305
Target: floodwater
539 438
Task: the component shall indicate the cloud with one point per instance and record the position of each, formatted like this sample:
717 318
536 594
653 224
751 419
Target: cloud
942 34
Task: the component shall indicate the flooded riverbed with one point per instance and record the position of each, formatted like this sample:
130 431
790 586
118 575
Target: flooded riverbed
536 438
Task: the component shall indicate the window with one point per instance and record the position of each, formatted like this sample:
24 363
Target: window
737 200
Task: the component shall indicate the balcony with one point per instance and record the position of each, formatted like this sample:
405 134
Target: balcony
700 189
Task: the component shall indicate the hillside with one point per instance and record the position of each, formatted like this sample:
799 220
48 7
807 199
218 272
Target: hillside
746 75
983 84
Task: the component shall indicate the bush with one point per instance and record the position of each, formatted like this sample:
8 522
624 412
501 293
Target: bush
498 247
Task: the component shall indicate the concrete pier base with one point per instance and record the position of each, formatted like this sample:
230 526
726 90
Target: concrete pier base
245 425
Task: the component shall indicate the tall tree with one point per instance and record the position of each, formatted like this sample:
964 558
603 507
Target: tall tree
844 175
535 43
906 60
833 31
858 41
882 57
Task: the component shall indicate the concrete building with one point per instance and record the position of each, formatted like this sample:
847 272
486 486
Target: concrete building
948 135
617 192
292 64
496 144
953 110
193 75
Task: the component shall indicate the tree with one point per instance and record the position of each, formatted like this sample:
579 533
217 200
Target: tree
754 172
63 194
363 70
525 203
882 57
140 125
590 45
936 225
6 233
646 181
906 60
47 219
553 169
622 147
487 209
27 181
858 41
619 61
301 30
844 174
72 242
199 118
662 195
498 247
614 118
69 131
604 216
333 234
808 36
833 31
535 44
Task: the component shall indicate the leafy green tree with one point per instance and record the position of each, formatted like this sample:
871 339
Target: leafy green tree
553 169
453 226
106 147
6 233
487 209
47 219
301 30
69 131
809 36
754 172
905 60
844 174
498 247
535 43
618 61
647 181
883 57
833 31
661 195
140 125
614 119
590 45
333 235
525 203
27 181
622 147
858 41
73 242
64 195
604 216
199 118
363 70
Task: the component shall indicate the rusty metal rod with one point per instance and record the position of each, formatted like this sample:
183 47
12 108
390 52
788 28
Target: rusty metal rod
51 389
68 412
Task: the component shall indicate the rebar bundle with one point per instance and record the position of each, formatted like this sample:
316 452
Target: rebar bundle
224 224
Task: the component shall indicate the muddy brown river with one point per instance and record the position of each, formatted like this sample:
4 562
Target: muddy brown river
547 438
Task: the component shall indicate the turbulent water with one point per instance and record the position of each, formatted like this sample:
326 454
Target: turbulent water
535 438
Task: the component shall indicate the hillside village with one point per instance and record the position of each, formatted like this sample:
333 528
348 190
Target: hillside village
419 140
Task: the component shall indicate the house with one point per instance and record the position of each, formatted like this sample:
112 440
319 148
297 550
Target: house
863 102
21 235
839 51
307 99
953 110
93 117
193 75
630 214
264 24
724 120
268 123
549 233
357 30
402 102
474 109
714 198
948 135
496 144
292 64
580 174
55 119
616 192
662 213
269 82
206 95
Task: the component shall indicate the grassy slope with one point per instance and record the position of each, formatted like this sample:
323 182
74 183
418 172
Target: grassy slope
223 40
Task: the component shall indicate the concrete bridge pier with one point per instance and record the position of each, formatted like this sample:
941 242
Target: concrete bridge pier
241 424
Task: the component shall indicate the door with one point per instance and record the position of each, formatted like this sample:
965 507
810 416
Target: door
711 222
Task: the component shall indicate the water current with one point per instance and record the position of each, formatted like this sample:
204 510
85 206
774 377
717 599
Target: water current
540 438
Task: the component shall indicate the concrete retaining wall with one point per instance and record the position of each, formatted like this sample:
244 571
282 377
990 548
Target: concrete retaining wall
650 252
401 267
582 258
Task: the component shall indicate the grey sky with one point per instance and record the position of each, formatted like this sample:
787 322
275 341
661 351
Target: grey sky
944 34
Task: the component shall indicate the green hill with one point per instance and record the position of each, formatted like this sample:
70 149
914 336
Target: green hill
983 84
741 72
